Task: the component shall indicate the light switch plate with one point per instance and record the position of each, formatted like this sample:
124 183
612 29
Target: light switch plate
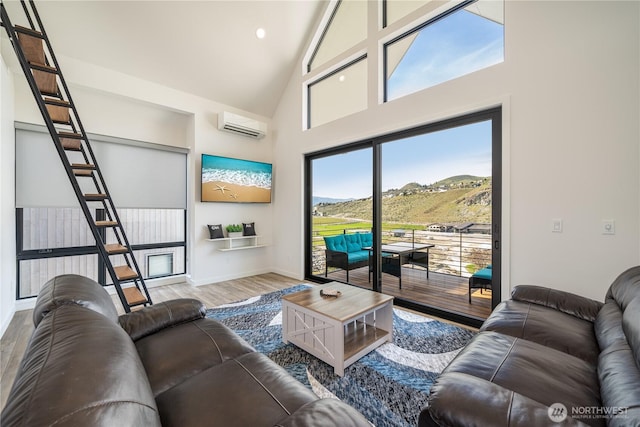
608 226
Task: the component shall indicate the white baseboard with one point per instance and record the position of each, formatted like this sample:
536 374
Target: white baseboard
292 274
222 278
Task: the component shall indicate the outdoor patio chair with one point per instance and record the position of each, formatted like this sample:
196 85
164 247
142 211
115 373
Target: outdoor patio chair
481 279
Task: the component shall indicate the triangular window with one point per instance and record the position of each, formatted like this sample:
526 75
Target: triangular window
347 27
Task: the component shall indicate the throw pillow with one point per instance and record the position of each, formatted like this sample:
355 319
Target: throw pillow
215 231
248 229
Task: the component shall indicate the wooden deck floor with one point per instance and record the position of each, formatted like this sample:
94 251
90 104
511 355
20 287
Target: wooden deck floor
443 291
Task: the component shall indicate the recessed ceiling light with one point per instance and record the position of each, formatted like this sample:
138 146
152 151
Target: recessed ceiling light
341 78
260 33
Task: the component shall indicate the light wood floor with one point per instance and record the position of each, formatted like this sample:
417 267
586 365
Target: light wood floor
15 339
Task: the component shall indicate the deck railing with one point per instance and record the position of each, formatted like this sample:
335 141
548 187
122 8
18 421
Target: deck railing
454 253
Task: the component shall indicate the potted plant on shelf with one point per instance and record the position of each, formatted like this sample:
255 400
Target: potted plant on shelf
234 230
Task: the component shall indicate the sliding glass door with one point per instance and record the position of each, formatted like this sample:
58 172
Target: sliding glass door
436 209
423 206
341 214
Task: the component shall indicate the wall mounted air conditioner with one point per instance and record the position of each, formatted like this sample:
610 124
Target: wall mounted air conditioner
240 125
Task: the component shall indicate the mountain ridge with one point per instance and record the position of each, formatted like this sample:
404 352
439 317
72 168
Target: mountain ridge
460 198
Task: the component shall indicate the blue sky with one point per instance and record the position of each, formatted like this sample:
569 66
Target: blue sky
449 48
424 159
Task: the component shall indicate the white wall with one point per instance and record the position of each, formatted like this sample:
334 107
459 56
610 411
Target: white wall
7 198
114 104
569 87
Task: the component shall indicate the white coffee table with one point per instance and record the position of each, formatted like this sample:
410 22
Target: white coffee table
341 330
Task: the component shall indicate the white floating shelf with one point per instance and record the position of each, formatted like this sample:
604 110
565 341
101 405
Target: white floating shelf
238 243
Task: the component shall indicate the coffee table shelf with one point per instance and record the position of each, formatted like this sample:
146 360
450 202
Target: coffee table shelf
341 330
358 335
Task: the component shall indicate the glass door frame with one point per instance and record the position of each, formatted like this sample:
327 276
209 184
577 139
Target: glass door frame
492 114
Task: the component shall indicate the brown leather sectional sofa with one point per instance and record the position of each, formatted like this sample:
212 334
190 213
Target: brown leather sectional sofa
548 358
164 365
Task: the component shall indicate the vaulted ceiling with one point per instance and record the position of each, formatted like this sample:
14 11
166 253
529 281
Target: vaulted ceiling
207 48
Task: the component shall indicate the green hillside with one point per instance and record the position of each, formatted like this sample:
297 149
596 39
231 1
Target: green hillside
456 199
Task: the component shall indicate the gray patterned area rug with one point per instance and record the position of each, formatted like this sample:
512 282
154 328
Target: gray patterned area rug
389 385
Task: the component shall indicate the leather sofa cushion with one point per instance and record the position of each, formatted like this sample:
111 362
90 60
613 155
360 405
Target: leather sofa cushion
324 412
540 373
608 325
152 319
246 391
546 326
619 383
566 302
175 354
73 289
459 399
80 369
631 327
619 378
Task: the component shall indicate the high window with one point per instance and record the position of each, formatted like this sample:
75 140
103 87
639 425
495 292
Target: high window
421 43
339 94
346 27
458 43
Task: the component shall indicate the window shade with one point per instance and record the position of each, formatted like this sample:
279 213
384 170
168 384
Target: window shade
137 174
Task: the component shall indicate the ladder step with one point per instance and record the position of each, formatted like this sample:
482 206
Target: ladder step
134 296
83 169
58 110
83 166
58 102
31 42
26 30
95 197
106 223
70 141
44 68
71 144
70 135
46 83
115 248
83 172
124 272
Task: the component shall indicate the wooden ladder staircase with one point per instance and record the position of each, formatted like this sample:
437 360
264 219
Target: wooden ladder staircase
51 93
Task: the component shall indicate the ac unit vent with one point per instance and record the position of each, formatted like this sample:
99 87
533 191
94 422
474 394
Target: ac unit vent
240 125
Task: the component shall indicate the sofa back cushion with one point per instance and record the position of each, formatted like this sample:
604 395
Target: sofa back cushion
77 290
366 239
617 328
336 243
80 369
625 293
353 242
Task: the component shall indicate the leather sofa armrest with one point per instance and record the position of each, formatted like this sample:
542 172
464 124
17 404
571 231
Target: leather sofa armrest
566 302
323 413
458 399
152 319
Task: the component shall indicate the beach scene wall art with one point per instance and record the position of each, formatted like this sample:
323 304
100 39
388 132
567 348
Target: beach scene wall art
225 179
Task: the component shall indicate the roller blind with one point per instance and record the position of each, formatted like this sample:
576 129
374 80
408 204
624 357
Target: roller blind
137 174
